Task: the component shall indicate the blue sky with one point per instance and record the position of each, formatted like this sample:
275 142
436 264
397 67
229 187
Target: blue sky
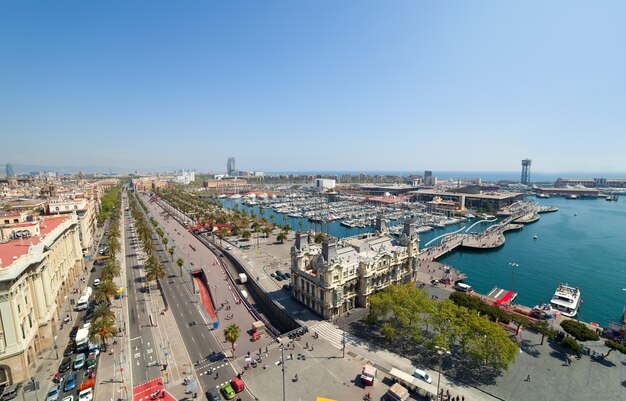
314 85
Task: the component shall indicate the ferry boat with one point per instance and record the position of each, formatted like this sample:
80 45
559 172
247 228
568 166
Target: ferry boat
566 300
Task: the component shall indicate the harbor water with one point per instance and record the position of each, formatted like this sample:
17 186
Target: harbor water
581 244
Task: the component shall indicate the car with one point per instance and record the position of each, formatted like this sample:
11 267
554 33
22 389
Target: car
90 363
287 287
79 362
227 391
273 274
69 350
82 348
420 374
96 282
10 392
73 332
85 395
65 365
53 393
70 383
212 396
287 275
279 277
221 255
228 248
93 269
216 356
68 398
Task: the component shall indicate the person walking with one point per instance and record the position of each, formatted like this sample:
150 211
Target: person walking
528 378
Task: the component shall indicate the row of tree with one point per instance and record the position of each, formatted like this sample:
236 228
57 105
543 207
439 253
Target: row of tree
103 323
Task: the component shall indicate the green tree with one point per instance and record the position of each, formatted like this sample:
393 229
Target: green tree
103 311
170 250
267 231
105 291
101 329
319 238
231 334
579 330
542 327
154 270
614 346
180 262
164 240
246 235
281 237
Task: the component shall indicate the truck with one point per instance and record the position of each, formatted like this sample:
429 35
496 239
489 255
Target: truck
397 392
242 278
368 375
82 336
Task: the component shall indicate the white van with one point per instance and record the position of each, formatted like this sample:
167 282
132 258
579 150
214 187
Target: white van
87 292
82 303
420 374
244 294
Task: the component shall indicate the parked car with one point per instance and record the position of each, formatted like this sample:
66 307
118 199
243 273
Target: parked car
68 398
70 383
53 393
65 365
10 392
287 287
90 363
69 350
79 362
85 395
212 396
96 282
73 333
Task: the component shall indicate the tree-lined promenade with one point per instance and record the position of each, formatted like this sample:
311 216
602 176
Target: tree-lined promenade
404 313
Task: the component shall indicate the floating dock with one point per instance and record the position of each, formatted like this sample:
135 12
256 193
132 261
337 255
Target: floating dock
502 296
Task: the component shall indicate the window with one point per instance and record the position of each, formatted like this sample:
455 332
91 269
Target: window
19 308
23 333
30 322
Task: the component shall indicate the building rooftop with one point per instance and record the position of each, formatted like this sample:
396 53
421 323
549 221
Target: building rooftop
14 249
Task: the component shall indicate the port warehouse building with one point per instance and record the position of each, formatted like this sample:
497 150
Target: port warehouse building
497 200
590 182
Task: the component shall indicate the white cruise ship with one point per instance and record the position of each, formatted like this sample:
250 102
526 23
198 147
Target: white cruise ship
566 300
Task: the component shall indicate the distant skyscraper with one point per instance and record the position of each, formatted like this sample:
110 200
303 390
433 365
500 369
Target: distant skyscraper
230 166
526 171
428 177
9 170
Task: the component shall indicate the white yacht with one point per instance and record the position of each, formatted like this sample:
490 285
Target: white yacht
235 196
566 300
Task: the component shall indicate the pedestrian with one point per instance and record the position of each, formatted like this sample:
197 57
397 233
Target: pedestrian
528 378
259 351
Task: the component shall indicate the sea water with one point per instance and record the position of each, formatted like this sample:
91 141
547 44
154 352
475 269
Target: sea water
582 244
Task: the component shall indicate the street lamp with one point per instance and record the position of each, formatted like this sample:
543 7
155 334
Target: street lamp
32 380
282 358
513 266
441 351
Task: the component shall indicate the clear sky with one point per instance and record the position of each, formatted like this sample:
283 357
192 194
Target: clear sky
314 85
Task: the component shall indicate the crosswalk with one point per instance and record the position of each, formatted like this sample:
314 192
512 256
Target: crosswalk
331 333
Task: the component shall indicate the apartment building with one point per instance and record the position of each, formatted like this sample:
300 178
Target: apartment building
39 258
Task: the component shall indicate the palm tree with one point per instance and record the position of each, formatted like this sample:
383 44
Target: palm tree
300 224
111 269
246 234
114 245
101 329
231 334
105 291
281 237
319 238
171 252
180 262
165 241
267 231
154 271
103 311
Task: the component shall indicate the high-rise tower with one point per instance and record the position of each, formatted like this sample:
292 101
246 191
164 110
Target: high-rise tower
526 171
9 170
230 166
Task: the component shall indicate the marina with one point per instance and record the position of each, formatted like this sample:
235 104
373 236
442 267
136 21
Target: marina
568 246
